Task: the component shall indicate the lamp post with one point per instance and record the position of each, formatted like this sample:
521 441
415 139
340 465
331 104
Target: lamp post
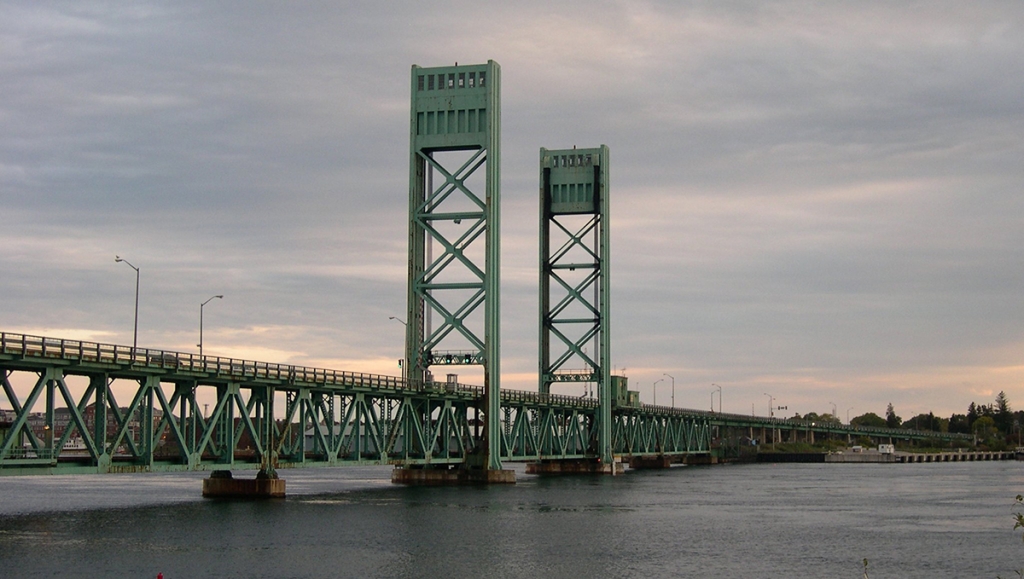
673 389
655 386
771 415
135 333
403 362
201 306
719 390
848 415
834 411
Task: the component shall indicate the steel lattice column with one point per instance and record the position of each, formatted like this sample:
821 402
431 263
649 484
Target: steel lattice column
575 339
454 136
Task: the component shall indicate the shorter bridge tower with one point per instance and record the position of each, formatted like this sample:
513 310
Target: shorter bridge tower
575 339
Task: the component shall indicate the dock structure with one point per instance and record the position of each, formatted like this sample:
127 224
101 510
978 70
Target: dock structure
873 457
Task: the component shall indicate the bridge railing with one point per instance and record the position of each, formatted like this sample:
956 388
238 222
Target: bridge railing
547 398
826 425
28 346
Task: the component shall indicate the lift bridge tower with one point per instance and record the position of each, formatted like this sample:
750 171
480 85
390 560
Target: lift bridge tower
575 282
454 228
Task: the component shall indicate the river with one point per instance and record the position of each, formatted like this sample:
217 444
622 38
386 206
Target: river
757 520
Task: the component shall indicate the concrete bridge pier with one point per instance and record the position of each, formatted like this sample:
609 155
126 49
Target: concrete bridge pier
581 466
650 462
222 485
447 475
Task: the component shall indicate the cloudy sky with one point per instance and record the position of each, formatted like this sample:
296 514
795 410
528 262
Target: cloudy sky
818 201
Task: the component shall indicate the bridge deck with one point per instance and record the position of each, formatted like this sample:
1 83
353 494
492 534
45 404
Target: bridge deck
268 415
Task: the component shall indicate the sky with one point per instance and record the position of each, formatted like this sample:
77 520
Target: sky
813 205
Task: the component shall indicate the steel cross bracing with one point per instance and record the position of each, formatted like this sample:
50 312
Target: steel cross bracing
69 417
454 197
575 339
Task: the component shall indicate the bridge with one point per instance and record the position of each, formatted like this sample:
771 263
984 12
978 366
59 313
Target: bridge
269 416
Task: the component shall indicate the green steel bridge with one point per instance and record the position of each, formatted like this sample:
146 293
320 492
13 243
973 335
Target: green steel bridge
83 407
99 408
269 416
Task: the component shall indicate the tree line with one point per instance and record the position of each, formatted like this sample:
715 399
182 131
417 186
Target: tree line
993 423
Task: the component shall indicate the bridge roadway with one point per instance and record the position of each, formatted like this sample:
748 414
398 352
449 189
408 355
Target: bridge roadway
269 416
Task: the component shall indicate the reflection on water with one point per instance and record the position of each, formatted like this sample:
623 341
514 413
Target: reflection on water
941 520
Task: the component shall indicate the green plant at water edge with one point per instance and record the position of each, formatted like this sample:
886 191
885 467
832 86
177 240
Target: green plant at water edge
1018 523
1018 517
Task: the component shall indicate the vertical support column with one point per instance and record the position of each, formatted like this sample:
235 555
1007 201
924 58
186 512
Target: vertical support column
453 313
575 278
268 431
146 418
100 385
188 419
52 375
492 277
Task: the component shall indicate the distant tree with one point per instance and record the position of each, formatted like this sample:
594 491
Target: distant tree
891 420
926 422
984 427
869 419
818 418
958 423
1018 426
1003 415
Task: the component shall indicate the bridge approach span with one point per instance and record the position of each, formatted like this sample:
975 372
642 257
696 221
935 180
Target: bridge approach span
84 407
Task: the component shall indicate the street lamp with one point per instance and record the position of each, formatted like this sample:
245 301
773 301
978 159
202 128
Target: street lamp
835 413
848 415
135 334
403 363
771 399
719 389
655 386
201 306
673 389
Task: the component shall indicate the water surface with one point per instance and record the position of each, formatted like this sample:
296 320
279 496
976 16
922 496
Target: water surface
916 520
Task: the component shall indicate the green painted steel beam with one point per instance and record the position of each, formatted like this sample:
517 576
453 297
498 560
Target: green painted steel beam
328 418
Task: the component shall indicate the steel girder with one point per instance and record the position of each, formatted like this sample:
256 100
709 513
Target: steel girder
638 433
269 416
324 418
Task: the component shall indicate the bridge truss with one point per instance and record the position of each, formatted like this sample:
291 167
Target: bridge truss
83 407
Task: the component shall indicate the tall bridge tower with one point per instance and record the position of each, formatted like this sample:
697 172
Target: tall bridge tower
454 227
575 282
